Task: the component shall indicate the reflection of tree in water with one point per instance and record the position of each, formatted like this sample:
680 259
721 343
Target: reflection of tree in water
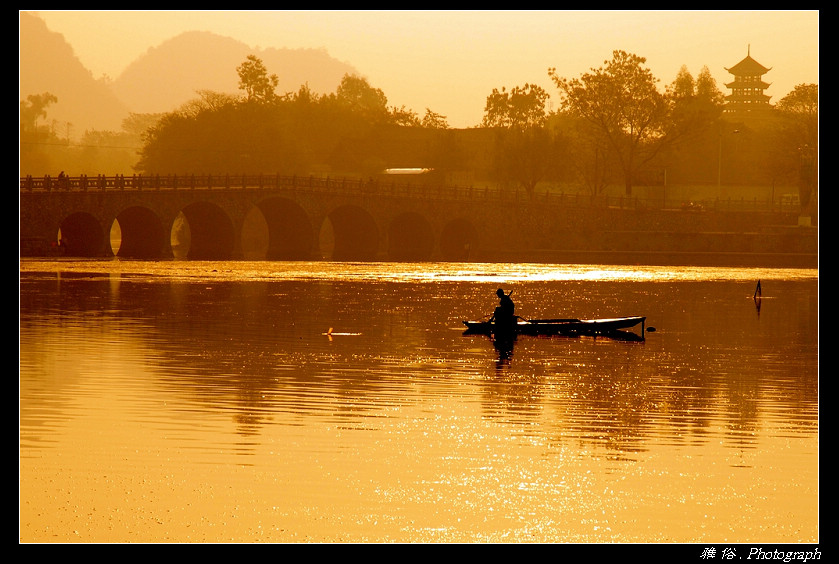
242 349
253 349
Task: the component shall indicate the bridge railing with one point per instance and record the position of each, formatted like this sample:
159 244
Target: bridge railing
119 182
369 187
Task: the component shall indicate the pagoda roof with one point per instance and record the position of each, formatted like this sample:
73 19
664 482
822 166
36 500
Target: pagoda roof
760 98
748 67
759 84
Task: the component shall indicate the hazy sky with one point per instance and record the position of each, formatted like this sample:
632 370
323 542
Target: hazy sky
449 61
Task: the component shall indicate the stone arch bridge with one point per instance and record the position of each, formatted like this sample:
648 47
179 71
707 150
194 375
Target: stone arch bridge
273 217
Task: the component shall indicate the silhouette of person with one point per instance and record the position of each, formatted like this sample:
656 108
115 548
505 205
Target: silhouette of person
505 313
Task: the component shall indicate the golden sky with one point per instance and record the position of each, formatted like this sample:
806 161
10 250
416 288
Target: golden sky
449 61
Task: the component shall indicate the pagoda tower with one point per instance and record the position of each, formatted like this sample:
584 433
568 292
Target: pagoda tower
747 87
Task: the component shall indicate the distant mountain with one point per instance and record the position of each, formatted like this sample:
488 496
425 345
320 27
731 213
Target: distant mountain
169 75
48 64
160 80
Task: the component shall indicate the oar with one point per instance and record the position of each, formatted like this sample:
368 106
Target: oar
552 320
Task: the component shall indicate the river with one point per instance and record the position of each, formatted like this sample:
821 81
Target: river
185 401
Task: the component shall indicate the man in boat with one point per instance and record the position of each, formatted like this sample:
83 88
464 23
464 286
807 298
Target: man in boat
505 313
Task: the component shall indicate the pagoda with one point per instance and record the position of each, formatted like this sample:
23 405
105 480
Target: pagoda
747 87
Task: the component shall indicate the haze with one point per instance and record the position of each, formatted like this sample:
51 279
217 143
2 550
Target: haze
449 61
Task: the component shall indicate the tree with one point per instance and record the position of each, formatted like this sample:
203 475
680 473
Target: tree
433 120
587 157
706 88
207 101
356 94
34 108
696 104
254 79
39 146
522 107
800 134
264 133
403 116
523 146
684 86
801 107
622 103
527 156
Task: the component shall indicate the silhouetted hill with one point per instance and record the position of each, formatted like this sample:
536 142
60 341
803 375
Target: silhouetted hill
48 64
161 80
170 74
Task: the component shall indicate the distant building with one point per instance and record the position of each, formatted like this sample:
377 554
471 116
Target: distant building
747 89
427 177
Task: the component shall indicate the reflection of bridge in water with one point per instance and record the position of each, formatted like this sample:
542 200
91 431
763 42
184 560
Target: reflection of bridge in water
310 218
275 217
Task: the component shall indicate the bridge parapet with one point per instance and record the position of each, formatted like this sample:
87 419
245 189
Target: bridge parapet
343 186
353 186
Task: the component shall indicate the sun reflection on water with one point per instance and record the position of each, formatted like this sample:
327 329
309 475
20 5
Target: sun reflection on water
408 272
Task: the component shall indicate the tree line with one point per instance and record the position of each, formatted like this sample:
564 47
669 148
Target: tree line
613 125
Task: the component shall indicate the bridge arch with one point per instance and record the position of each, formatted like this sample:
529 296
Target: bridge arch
458 240
353 232
207 233
81 235
290 232
410 238
142 233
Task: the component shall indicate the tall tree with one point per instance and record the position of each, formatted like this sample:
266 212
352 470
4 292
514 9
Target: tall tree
621 101
522 107
706 88
696 104
800 133
801 106
527 156
356 94
587 157
39 146
254 79
524 148
34 108
684 86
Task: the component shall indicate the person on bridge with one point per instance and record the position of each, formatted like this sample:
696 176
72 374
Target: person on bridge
505 313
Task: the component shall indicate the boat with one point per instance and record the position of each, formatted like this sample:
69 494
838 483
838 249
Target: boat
570 327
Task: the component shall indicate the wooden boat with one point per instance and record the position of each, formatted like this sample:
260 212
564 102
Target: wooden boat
570 327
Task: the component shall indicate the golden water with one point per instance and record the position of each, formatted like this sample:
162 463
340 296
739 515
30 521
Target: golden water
205 402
